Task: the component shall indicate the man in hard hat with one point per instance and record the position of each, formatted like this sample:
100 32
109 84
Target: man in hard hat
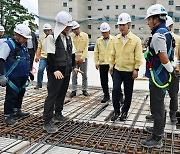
102 52
158 69
14 58
174 84
126 58
32 44
81 41
41 55
61 60
2 36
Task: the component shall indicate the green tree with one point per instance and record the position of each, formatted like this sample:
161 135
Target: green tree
13 13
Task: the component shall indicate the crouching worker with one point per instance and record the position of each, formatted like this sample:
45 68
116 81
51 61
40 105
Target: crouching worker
14 59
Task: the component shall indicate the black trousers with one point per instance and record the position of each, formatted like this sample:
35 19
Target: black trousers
57 89
157 109
104 71
32 55
13 99
128 81
173 93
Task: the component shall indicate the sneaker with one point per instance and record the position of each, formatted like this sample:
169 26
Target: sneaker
150 142
150 117
149 129
9 120
59 118
123 116
105 99
38 86
50 127
21 114
85 93
73 93
172 115
115 116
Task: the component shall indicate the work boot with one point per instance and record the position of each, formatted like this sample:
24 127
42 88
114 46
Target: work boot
152 142
59 118
73 93
38 86
123 116
8 120
172 115
50 127
150 117
21 114
85 93
149 129
115 116
105 99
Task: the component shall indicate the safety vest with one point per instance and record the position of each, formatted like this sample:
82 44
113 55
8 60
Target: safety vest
19 58
154 68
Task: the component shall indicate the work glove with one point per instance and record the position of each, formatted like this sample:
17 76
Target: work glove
31 76
3 80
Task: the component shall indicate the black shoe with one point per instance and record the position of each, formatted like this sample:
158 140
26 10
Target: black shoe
105 99
151 142
115 116
150 117
9 120
20 114
85 93
59 118
73 93
38 86
172 115
149 129
50 127
123 116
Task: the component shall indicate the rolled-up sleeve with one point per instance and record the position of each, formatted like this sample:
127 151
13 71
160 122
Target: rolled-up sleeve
4 51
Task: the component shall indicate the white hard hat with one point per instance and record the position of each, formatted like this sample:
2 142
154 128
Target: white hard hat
63 19
2 29
169 21
23 30
75 25
104 27
47 26
156 9
124 18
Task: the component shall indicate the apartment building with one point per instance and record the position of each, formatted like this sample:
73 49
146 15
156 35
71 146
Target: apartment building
91 13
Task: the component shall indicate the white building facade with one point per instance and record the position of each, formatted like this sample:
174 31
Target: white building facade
91 13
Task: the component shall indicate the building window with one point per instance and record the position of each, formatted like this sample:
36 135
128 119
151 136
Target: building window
70 0
170 14
133 6
107 7
89 0
178 8
176 19
116 6
89 35
116 26
133 17
116 16
142 8
99 9
70 9
133 26
176 31
64 4
89 26
124 6
89 7
89 16
171 2
99 0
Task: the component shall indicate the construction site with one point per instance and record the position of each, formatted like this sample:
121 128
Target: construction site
88 129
